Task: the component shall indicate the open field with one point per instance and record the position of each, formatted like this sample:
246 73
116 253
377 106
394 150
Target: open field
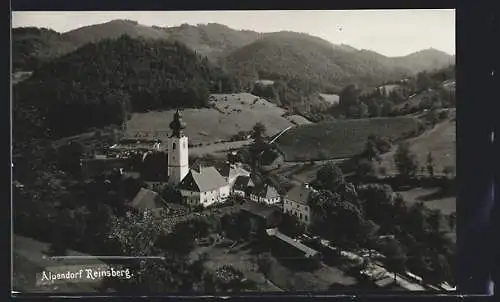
30 259
231 113
440 141
339 139
432 199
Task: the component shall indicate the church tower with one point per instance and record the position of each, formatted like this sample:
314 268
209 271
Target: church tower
178 153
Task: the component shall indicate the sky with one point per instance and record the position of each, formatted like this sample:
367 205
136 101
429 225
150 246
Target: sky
389 32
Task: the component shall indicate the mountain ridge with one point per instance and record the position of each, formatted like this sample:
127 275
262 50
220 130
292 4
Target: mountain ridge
213 40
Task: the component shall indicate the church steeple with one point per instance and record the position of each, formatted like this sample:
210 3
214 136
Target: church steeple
177 125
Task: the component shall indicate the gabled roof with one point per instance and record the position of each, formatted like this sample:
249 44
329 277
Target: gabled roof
229 170
309 252
147 200
242 182
259 209
299 194
207 179
266 191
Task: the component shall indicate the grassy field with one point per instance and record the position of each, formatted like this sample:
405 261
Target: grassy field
29 259
231 113
339 139
440 141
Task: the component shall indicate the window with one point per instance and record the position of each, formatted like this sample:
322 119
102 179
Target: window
184 144
173 146
305 217
300 215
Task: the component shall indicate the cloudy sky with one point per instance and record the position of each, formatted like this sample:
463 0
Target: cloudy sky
389 32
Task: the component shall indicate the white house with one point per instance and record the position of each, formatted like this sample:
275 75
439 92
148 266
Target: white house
265 194
203 186
296 203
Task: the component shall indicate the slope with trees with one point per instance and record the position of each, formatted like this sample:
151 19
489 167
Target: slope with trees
100 84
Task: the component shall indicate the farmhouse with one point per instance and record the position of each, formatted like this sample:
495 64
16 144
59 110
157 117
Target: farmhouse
147 200
296 203
203 186
265 194
261 216
242 186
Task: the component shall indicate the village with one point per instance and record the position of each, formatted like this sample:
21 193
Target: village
227 186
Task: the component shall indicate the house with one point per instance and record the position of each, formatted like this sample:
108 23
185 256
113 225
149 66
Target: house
295 203
231 171
203 186
261 216
266 194
288 248
242 186
148 200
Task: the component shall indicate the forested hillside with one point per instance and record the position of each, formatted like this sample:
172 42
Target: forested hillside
300 56
31 46
100 83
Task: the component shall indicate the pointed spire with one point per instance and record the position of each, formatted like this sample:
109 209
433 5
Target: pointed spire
177 124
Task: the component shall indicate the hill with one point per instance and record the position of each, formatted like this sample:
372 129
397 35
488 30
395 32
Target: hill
32 46
339 139
230 114
215 41
294 55
40 45
427 59
100 83
440 141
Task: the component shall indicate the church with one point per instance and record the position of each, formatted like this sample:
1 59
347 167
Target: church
198 185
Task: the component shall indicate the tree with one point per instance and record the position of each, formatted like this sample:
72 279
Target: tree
405 160
349 97
69 156
430 164
264 263
291 226
329 176
452 220
395 256
258 131
363 110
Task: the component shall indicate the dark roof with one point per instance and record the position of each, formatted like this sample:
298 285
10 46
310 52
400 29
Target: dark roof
242 182
259 209
266 191
309 252
207 179
227 169
148 200
300 194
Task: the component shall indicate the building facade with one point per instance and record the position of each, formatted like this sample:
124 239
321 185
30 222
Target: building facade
296 203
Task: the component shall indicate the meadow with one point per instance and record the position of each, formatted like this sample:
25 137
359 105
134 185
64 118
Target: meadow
440 141
341 138
230 114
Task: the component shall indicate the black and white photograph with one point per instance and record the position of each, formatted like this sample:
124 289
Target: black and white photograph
195 152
